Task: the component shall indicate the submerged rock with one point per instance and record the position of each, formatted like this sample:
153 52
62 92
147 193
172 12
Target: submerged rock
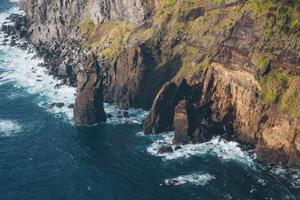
71 106
58 105
88 109
165 149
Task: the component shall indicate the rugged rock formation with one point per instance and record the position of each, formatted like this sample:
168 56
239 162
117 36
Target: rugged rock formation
131 81
240 60
58 18
88 109
229 104
18 26
162 112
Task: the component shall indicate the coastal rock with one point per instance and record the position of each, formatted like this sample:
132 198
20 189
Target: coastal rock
51 20
160 117
279 140
225 50
58 105
162 112
17 26
181 123
229 105
88 109
131 81
165 149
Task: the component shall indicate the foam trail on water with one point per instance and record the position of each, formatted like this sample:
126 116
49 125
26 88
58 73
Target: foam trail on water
23 69
225 150
9 127
194 178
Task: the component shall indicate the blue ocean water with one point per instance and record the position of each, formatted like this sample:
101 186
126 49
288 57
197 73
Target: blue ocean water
43 156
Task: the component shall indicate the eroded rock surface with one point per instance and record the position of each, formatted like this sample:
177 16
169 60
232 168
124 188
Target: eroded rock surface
162 112
229 104
88 109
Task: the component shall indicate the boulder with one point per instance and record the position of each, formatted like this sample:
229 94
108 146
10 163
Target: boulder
165 149
88 109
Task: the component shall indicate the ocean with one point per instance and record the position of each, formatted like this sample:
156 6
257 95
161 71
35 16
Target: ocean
44 156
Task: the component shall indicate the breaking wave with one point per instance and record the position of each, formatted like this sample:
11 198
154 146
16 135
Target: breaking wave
9 127
24 70
194 178
225 150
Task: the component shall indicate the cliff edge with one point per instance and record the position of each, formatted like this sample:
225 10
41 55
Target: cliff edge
203 68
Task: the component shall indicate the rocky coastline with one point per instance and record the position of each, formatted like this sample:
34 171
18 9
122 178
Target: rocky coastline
203 69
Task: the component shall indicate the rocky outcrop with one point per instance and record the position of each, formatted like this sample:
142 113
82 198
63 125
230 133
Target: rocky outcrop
88 109
162 112
18 26
225 51
58 18
228 103
130 80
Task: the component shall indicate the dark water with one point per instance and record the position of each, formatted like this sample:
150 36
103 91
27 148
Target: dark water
43 156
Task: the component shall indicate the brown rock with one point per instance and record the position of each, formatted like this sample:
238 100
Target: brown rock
88 109
181 123
161 117
131 82
161 114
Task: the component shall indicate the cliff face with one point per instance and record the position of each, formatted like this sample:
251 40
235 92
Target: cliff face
88 109
59 18
232 66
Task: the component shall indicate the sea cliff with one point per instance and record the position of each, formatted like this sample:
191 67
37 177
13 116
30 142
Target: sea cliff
203 68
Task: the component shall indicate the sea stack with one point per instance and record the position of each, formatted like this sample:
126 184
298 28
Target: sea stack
88 109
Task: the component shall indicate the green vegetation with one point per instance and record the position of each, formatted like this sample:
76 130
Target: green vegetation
283 90
141 35
169 2
273 24
279 14
107 39
86 27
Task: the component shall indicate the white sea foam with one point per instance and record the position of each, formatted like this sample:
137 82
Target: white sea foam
194 178
119 116
225 150
23 70
9 127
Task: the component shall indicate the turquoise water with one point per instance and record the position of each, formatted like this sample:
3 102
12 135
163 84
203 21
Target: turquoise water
43 156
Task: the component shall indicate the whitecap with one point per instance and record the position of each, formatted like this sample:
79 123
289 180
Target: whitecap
225 150
9 127
120 116
194 178
24 70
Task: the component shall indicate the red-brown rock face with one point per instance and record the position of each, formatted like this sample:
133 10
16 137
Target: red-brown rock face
228 103
88 108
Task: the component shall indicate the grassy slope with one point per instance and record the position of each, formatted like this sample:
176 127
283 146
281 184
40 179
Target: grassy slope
196 41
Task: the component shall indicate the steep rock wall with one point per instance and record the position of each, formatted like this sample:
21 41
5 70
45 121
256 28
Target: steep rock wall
56 19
